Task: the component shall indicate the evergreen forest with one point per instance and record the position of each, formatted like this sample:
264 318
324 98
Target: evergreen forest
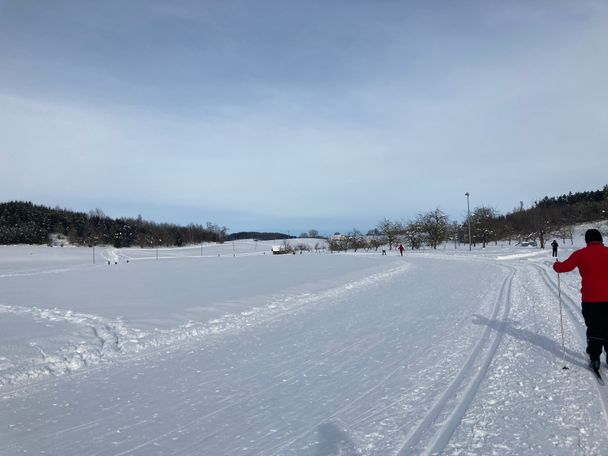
28 223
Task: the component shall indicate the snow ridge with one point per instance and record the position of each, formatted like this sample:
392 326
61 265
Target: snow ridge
112 339
109 338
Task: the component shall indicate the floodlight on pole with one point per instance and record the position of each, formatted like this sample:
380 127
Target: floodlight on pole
469 218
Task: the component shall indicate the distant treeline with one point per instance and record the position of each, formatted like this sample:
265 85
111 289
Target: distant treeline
555 216
27 223
586 199
549 217
257 236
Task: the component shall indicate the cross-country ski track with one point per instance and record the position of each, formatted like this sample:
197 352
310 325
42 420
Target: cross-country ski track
445 415
437 352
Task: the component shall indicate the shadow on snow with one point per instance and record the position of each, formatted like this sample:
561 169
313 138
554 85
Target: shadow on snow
334 441
538 340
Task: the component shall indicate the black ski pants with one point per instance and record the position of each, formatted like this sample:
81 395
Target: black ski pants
596 320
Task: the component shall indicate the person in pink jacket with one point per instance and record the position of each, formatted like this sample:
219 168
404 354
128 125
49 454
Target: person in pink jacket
592 264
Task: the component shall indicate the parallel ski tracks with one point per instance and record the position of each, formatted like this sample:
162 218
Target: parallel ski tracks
433 432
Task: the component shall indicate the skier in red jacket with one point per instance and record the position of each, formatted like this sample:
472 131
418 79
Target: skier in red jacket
592 264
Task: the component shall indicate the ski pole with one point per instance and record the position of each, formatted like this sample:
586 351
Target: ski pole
561 319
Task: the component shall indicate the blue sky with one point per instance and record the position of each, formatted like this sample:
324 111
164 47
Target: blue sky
297 115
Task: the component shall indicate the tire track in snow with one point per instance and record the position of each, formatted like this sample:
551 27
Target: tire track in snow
573 313
434 431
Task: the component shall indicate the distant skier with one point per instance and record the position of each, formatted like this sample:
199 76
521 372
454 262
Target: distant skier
554 245
401 249
592 264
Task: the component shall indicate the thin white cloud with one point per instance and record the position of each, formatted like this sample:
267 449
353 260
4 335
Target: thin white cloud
311 110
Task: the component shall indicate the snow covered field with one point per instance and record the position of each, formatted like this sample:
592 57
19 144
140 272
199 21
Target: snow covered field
229 350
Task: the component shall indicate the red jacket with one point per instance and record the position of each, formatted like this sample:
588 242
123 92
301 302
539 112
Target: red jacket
592 264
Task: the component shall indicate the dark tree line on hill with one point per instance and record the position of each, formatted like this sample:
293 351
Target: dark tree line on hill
553 217
256 235
26 223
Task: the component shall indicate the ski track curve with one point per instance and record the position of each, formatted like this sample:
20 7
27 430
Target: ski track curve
572 312
434 431
114 340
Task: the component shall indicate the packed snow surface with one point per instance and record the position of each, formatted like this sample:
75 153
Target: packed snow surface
230 350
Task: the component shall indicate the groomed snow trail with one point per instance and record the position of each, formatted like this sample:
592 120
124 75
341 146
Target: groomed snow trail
526 394
348 371
433 433
426 354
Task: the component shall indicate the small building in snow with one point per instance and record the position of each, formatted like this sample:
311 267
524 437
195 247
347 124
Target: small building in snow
279 250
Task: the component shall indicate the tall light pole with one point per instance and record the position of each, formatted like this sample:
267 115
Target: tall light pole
469 218
94 239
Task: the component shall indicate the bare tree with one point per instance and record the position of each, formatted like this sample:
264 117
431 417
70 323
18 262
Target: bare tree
434 225
390 230
413 235
313 234
454 232
356 240
483 224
